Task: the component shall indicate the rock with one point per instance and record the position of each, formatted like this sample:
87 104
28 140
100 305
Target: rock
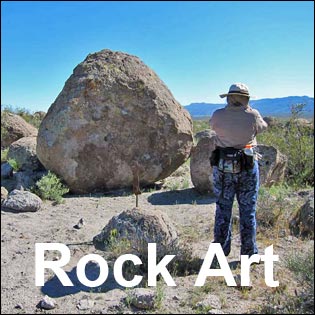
143 298
15 127
272 165
302 223
25 180
47 303
39 115
207 133
85 304
200 168
18 306
79 225
4 194
211 301
24 152
300 122
140 227
114 120
6 170
22 201
272 121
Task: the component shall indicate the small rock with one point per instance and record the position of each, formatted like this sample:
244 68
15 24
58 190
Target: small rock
47 303
79 225
85 304
143 298
175 298
18 306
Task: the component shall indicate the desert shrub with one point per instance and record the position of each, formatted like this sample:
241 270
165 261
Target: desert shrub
200 125
296 141
14 163
50 187
302 265
273 213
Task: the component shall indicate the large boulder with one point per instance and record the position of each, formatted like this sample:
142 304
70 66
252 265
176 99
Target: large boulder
273 122
24 152
113 121
272 165
14 127
200 168
139 227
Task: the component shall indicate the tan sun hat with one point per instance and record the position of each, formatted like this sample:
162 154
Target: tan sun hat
238 89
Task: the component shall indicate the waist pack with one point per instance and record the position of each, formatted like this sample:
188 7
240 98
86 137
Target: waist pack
231 160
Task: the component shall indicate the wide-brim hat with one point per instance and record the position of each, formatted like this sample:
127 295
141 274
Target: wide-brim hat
237 89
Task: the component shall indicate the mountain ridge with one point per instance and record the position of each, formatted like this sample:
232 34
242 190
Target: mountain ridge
279 107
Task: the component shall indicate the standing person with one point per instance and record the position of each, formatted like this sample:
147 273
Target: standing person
235 167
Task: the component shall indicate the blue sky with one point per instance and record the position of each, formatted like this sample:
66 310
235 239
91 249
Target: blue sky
197 48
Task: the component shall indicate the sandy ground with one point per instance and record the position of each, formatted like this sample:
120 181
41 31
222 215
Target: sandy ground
192 214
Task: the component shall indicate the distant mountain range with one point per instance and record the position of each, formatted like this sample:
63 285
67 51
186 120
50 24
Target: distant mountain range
278 107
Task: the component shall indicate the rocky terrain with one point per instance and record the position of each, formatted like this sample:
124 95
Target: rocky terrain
193 216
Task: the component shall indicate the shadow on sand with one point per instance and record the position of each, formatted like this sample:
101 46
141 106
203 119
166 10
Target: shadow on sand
185 196
54 288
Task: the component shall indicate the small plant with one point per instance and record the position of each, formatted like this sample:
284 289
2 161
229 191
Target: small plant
49 187
281 302
14 163
273 212
116 245
129 297
159 296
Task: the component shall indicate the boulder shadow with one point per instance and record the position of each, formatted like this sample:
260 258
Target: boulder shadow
184 196
54 288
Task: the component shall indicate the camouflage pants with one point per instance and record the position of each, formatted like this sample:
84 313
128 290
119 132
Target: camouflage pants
245 186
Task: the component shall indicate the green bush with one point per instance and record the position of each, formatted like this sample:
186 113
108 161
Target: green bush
14 163
296 141
302 264
50 187
200 125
